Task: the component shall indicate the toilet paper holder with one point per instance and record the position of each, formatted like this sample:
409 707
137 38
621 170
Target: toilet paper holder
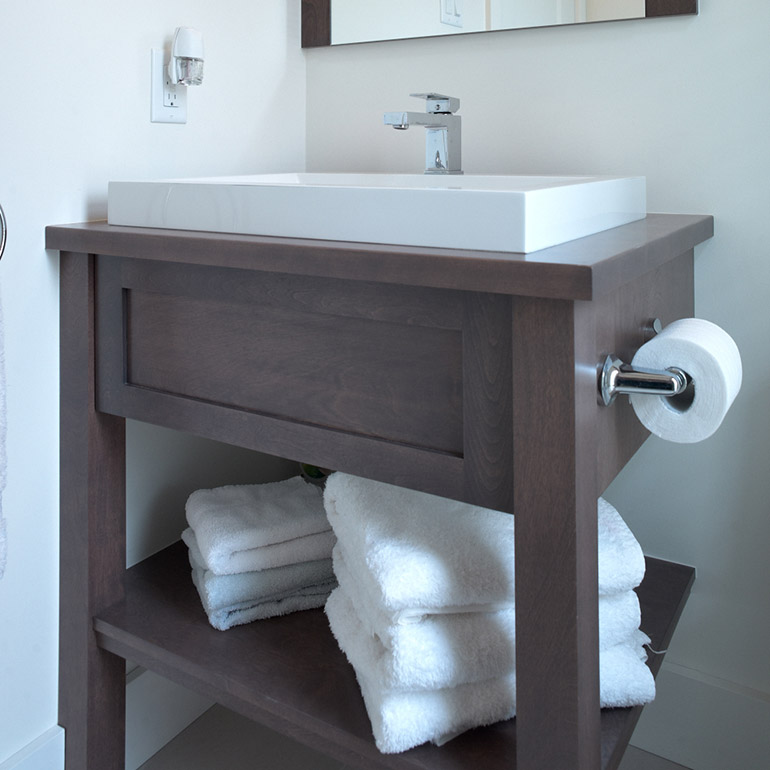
618 377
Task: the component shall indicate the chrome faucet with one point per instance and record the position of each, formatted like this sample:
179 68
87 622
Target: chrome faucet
442 131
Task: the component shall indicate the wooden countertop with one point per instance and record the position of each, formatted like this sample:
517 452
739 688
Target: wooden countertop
583 269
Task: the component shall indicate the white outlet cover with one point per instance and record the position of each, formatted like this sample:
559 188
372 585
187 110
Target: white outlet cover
159 112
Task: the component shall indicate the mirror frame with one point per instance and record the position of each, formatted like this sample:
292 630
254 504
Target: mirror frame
317 18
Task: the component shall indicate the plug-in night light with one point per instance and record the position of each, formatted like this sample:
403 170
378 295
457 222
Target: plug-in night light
185 66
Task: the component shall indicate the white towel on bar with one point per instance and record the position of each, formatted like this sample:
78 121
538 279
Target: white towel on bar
221 591
403 718
238 613
446 650
418 553
258 526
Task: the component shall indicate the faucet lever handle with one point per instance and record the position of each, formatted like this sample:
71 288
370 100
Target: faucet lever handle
439 103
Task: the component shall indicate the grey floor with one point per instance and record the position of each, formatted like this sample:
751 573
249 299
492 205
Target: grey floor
223 740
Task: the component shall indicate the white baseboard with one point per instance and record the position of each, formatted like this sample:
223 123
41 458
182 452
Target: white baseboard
46 752
156 711
705 723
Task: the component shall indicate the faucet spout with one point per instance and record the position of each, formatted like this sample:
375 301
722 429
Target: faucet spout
403 120
399 120
442 132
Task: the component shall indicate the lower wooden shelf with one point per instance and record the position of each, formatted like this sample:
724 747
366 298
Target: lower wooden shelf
289 674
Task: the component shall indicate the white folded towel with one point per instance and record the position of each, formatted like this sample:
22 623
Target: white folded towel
252 527
238 613
419 553
403 718
446 650
222 591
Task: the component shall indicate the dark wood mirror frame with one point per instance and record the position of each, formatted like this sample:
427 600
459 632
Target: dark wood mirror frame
317 28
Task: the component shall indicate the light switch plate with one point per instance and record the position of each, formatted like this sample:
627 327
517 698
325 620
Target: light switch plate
452 12
168 102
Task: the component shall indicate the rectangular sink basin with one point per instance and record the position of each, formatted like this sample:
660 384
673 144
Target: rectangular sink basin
486 212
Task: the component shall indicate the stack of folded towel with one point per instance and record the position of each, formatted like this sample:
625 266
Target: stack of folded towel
424 610
260 550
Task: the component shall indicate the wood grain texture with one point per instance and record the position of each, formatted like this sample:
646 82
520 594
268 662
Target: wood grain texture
92 561
670 7
623 319
466 374
554 470
316 23
487 401
310 361
289 672
583 269
403 383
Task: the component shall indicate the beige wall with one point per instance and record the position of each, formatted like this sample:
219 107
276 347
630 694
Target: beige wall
685 102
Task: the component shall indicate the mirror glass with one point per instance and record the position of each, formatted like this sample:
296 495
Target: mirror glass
338 22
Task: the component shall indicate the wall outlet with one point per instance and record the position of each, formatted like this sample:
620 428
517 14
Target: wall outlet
168 102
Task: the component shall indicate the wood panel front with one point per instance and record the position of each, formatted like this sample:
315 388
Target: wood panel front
409 385
404 383
370 378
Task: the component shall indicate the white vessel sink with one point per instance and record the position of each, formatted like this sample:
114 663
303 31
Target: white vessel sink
497 213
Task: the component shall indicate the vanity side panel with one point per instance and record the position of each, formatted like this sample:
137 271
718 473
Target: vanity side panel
623 325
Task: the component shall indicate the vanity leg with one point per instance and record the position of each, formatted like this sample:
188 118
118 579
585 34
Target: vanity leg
92 516
555 497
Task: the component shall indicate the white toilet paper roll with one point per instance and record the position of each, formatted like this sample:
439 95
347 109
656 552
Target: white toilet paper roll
711 358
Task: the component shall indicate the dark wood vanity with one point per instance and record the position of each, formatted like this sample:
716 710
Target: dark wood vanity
467 374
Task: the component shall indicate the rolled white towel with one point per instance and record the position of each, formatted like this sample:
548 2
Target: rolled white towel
222 591
402 718
445 650
420 553
259 526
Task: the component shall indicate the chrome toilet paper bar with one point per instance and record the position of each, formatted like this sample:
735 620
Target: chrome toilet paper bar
618 377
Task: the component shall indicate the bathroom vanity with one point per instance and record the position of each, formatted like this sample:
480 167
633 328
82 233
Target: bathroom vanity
467 374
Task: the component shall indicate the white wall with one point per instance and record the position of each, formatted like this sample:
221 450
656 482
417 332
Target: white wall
685 102
74 113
